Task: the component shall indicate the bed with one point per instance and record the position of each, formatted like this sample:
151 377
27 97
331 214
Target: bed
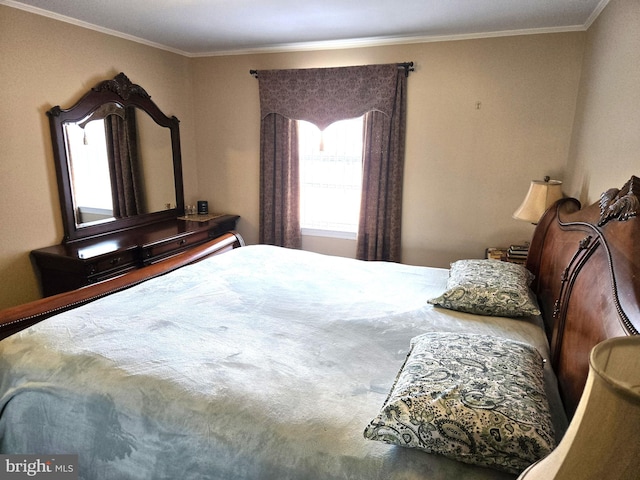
269 363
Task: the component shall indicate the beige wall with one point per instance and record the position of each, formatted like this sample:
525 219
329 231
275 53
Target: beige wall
467 169
605 150
44 63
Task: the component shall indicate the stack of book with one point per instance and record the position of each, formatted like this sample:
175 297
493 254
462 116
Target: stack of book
497 253
517 253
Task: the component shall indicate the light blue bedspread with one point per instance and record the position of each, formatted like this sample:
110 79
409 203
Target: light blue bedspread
261 363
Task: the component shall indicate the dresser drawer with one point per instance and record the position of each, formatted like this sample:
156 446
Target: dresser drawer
107 266
157 251
72 265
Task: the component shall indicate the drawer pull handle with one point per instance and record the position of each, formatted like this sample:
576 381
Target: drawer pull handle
115 261
182 242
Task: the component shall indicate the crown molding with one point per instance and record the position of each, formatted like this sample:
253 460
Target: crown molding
89 26
596 12
383 41
310 46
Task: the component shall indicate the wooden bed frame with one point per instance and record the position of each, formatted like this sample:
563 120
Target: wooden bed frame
586 263
17 318
587 268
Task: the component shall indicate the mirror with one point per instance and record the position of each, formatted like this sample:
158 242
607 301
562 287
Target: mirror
118 161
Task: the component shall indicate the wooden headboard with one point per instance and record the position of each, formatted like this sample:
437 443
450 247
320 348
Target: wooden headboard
587 267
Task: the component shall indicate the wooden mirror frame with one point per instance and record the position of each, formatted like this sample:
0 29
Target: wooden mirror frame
121 91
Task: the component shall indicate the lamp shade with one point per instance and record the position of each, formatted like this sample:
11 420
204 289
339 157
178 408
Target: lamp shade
541 195
603 439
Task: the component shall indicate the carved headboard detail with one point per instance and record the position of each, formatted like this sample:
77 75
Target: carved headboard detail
587 270
586 248
620 204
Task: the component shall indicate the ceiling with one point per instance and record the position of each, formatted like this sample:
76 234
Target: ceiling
218 27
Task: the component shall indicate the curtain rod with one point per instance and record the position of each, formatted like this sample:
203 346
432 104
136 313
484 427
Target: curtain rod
408 67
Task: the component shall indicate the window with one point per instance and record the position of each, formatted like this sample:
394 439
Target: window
330 178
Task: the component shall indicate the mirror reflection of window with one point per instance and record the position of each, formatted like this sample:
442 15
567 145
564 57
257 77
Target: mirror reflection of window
89 172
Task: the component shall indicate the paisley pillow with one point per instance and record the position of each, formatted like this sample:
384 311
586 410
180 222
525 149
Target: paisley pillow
489 287
474 398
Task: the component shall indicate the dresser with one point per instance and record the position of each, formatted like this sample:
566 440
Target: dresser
73 265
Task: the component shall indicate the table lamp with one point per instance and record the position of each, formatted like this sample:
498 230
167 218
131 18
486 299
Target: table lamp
603 438
541 195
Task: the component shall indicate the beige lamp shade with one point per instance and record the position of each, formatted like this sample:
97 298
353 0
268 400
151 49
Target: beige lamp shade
603 439
542 194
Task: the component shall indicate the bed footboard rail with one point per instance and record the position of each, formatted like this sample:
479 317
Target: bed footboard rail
14 319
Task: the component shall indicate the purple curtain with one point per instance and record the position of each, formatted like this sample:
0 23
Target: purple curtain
379 228
324 96
279 183
124 164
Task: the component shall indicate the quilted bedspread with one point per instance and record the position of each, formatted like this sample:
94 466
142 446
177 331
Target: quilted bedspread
261 363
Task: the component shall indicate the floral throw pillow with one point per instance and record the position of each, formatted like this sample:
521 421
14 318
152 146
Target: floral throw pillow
478 399
489 287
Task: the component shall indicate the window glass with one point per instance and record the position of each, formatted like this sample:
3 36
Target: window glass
330 176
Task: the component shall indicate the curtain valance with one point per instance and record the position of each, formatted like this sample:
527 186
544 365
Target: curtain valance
323 96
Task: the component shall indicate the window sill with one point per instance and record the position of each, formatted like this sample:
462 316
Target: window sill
314 232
